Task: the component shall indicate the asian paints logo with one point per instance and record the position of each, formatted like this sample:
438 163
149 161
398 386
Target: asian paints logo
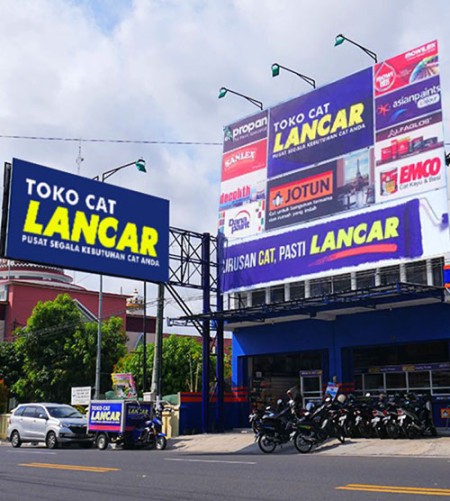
240 222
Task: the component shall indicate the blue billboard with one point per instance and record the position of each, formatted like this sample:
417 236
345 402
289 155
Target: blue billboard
69 221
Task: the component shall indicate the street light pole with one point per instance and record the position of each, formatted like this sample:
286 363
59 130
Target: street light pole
341 38
140 165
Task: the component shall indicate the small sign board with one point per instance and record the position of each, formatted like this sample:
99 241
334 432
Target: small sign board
81 395
445 413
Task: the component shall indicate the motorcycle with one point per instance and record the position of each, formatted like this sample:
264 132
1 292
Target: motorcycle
275 428
152 436
320 426
415 418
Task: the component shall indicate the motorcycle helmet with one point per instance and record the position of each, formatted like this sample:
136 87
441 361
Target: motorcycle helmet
341 398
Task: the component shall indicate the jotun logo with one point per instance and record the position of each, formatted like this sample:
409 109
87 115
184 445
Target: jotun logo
240 222
303 190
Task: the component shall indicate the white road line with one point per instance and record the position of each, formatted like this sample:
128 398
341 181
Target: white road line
209 461
31 452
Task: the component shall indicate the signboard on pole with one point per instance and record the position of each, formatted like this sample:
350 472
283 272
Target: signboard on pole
81 395
73 222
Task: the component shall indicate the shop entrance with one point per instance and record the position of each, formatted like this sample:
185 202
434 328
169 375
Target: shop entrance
270 376
311 386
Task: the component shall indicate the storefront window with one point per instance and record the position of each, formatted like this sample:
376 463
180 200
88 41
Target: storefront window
365 279
441 381
297 290
320 287
389 275
437 266
342 283
416 273
419 380
396 381
374 382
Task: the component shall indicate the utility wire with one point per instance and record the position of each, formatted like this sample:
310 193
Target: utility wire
100 140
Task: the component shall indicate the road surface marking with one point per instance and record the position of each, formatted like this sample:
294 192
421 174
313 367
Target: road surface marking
71 467
393 489
209 461
33 452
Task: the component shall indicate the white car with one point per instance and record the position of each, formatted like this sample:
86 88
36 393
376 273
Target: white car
51 423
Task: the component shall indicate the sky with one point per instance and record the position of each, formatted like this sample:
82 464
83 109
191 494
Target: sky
143 76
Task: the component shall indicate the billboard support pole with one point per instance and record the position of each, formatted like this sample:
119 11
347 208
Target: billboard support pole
144 340
5 203
206 331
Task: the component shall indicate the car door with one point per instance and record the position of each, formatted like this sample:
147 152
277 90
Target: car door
27 423
40 423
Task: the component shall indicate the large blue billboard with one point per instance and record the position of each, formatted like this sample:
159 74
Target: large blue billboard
338 158
327 123
69 221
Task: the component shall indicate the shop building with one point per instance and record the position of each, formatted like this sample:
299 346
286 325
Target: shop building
382 330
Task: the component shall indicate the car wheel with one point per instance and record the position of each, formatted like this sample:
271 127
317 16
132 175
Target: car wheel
161 443
50 441
15 439
102 441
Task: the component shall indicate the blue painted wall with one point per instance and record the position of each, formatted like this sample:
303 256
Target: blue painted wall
388 327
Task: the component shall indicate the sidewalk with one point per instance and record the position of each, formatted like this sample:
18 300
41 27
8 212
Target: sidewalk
243 442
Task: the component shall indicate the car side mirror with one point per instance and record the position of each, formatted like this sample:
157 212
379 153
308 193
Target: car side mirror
42 416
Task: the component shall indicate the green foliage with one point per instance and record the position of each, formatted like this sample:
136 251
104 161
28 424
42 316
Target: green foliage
181 364
10 363
59 351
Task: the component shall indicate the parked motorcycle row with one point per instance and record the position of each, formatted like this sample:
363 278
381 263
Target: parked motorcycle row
399 416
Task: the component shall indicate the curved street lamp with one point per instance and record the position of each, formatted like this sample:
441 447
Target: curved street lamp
140 166
340 39
276 71
224 91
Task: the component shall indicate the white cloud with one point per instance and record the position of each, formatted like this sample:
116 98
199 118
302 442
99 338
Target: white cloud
151 70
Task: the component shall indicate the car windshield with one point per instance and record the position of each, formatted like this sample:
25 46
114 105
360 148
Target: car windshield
64 412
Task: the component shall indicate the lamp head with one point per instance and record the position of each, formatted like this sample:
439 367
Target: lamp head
339 40
275 69
140 165
222 92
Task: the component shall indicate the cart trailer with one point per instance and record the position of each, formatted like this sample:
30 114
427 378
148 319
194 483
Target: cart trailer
117 421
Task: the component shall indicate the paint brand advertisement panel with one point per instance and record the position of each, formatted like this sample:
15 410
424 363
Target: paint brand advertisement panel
69 221
338 157
320 125
413 229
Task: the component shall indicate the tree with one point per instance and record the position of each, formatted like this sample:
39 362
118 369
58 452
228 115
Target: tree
58 350
181 364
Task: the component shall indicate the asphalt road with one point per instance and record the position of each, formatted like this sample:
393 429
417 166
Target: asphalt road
75 474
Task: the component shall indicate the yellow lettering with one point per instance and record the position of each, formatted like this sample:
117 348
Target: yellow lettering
345 237
376 232
59 223
391 227
292 139
149 239
278 146
359 235
129 238
104 226
324 125
82 226
309 131
356 111
315 249
30 225
340 122
329 242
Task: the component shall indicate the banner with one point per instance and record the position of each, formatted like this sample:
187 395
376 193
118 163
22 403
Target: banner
391 233
69 221
321 125
357 147
123 385
407 68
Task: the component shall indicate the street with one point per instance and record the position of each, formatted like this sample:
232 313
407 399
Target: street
31 473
